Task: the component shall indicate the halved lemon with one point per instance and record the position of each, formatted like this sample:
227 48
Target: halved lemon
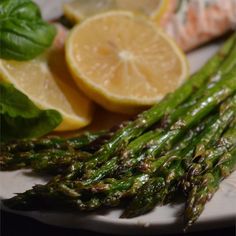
79 10
47 82
124 62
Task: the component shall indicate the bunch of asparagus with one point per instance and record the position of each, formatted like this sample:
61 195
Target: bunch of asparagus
186 142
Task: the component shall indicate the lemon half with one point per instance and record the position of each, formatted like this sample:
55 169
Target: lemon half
124 62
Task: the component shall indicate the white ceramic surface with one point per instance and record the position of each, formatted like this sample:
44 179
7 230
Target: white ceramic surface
220 211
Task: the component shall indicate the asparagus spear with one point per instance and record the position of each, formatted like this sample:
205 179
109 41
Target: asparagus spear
52 143
113 164
214 96
207 160
75 190
52 162
113 190
225 67
128 186
36 153
119 168
155 189
125 160
207 185
172 169
148 118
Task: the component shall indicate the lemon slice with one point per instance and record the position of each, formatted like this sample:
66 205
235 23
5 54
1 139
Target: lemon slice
47 82
124 62
81 9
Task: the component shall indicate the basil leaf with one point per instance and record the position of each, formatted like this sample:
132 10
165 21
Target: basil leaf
24 9
23 33
20 118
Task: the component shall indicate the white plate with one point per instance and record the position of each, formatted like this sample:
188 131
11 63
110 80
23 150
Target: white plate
220 211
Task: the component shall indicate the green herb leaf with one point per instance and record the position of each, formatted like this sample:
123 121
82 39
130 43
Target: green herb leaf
20 118
23 33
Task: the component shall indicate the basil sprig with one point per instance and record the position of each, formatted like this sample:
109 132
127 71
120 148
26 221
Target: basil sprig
23 33
20 118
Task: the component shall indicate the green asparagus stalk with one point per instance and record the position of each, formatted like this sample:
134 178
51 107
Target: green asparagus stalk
52 143
112 191
148 198
200 149
113 164
127 186
207 185
225 67
172 169
207 160
116 167
55 161
111 194
35 153
155 190
214 96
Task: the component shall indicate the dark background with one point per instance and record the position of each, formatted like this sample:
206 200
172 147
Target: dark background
14 225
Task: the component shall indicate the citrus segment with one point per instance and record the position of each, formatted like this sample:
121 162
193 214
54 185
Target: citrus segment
124 62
